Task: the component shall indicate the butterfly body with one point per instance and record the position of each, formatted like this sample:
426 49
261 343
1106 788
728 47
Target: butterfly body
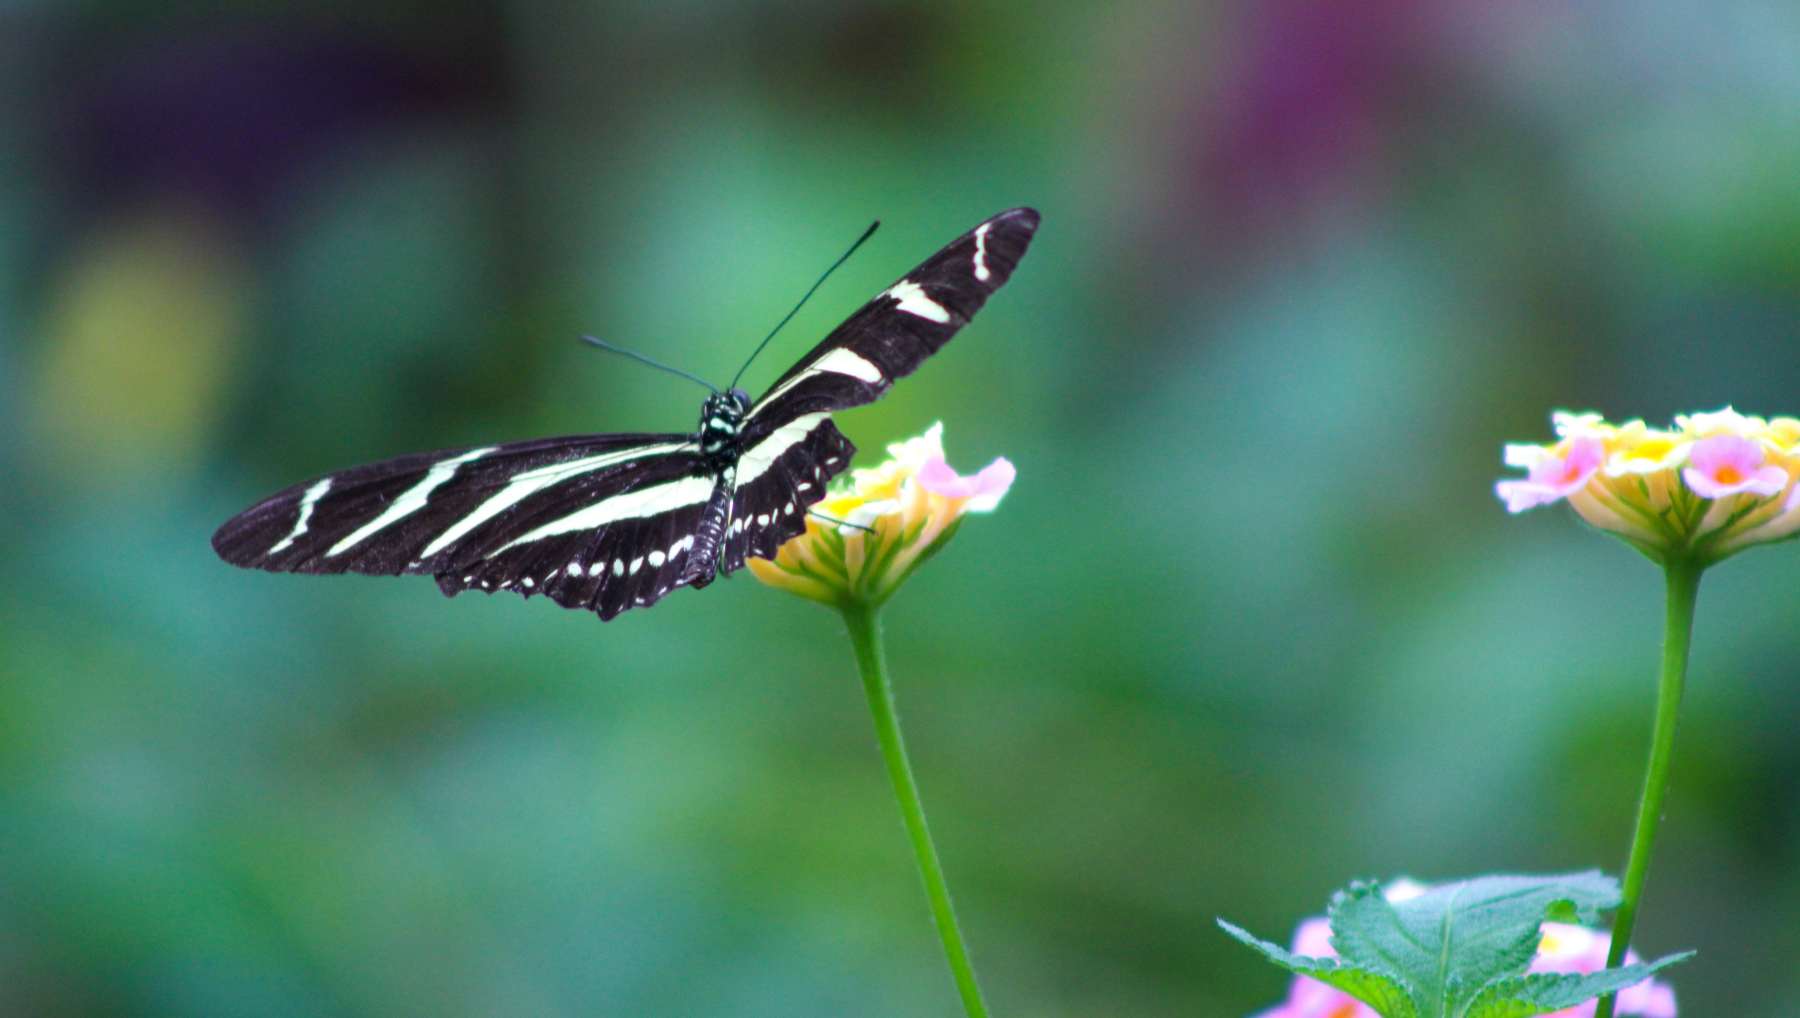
610 522
721 421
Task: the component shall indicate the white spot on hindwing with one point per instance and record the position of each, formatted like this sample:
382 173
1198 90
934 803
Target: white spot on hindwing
596 568
656 559
914 301
307 501
618 567
636 564
981 269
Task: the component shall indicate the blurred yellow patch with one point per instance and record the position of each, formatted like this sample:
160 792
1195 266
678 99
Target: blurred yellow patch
139 337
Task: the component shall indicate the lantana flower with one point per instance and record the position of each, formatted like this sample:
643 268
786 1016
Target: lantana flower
863 540
1707 488
1565 948
1686 496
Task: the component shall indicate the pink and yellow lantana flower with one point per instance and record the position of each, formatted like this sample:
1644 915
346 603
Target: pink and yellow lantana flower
1565 948
1704 489
879 528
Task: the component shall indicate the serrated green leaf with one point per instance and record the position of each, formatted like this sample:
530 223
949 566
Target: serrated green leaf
1381 991
1460 950
1452 941
1544 992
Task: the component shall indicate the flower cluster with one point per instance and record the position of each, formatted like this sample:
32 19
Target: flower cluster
1707 488
1565 948
880 527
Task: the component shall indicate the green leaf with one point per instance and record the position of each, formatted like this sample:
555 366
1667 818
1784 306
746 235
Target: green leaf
1459 950
1457 938
1544 992
1387 995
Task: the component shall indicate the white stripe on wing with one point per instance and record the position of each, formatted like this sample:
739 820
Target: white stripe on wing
411 501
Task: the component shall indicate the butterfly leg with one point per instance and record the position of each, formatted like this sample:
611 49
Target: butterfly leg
815 514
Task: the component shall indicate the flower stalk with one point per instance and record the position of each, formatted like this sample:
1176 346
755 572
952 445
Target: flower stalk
862 541
1688 496
864 623
1682 580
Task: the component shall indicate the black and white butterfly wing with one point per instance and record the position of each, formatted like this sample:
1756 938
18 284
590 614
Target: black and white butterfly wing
791 448
891 335
776 480
602 522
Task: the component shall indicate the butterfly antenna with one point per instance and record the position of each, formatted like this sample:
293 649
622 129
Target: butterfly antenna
641 359
834 267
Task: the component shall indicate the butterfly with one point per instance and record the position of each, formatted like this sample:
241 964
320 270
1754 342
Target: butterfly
611 522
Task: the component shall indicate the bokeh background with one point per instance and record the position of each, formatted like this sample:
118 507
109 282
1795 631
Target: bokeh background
1251 623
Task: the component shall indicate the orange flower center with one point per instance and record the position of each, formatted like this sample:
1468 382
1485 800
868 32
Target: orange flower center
1728 475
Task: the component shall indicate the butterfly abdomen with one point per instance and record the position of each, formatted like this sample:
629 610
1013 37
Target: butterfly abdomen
703 562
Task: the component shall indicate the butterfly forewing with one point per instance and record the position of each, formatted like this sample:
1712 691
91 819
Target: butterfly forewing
891 335
460 508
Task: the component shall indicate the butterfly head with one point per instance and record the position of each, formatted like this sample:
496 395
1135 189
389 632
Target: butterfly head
721 417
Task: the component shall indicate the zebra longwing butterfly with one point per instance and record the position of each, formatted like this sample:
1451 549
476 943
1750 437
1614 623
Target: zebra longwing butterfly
611 522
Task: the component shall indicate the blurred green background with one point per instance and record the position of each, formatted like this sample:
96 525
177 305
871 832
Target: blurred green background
1250 624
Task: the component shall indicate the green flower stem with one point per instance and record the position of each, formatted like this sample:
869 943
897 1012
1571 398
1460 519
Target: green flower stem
1683 582
865 632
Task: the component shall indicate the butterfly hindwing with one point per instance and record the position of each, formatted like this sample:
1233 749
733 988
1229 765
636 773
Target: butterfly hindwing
891 335
606 567
776 480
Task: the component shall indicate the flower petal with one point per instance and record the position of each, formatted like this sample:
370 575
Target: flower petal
1553 477
983 489
1730 465
1522 495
